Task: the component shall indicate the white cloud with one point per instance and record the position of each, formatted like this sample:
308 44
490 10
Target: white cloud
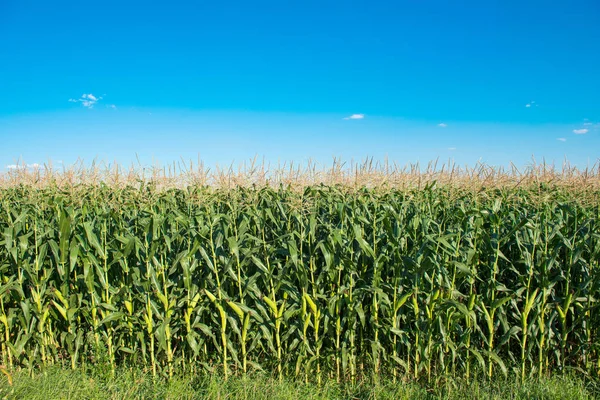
580 131
23 166
587 124
112 106
356 116
87 100
442 125
451 148
527 105
561 139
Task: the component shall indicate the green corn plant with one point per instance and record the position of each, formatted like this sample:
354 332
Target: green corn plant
316 315
425 281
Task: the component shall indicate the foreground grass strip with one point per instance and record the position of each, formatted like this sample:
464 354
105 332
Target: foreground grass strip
57 383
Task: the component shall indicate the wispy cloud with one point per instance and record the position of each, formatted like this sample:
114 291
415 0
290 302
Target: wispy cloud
561 139
530 104
112 106
23 166
356 116
87 100
442 125
451 148
587 124
582 131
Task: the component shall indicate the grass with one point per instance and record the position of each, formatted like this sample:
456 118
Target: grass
63 383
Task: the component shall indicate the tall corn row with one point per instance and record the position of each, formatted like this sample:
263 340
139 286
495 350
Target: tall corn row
326 283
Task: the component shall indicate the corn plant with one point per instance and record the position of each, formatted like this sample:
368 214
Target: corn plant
326 282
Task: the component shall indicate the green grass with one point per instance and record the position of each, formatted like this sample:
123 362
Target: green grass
63 383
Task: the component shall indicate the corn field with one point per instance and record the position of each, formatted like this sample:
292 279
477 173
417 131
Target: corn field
320 282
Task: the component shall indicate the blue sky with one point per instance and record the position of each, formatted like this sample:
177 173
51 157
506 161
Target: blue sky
496 81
